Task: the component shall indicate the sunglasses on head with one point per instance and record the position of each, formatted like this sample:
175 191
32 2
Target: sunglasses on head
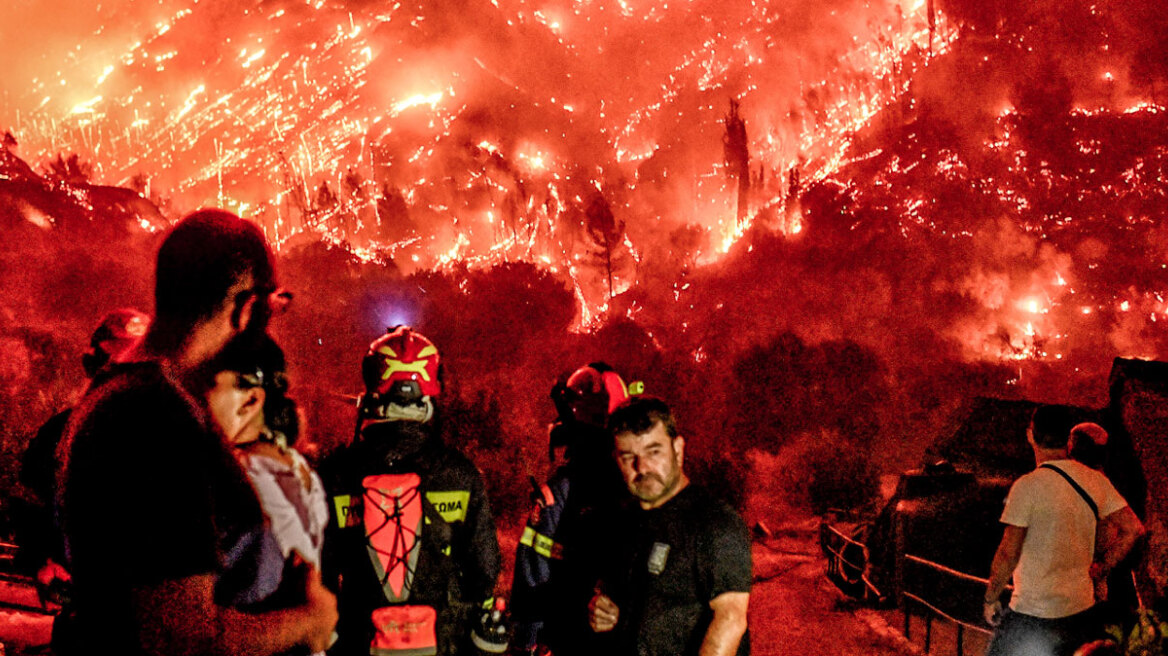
249 379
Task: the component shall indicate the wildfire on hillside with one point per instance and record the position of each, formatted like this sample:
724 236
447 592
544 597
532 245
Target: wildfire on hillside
408 134
579 135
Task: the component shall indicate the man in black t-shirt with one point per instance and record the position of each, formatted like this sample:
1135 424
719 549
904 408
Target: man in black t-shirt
163 532
678 582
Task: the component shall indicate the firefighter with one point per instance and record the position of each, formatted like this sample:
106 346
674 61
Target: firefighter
116 336
553 581
411 543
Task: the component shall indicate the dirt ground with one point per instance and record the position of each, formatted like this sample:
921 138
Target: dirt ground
794 610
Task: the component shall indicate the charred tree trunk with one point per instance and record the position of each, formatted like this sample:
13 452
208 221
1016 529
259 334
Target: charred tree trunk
737 155
605 231
932 25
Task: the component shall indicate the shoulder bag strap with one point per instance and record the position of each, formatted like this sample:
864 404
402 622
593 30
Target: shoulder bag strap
1078 488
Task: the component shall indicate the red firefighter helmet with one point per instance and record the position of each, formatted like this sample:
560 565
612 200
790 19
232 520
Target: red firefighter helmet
401 367
590 394
116 336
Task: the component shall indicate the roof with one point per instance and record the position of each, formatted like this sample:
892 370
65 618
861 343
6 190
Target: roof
990 436
1150 373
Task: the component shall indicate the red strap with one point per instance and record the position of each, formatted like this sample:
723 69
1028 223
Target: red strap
393 521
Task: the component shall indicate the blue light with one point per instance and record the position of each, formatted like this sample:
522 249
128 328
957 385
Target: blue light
398 316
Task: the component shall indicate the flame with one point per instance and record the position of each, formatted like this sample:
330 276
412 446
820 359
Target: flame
417 100
314 136
86 107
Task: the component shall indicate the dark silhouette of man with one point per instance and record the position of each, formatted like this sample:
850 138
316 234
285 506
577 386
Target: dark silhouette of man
162 530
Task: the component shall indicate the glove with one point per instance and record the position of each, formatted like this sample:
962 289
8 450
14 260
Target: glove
992 611
492 633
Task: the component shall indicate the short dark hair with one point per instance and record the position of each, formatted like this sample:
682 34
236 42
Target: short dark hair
202 257
1088 445
1052 426
254 354
259 360
639 414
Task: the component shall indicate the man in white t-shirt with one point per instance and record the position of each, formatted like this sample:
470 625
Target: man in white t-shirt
1052 515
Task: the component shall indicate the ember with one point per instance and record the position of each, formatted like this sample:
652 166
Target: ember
308 117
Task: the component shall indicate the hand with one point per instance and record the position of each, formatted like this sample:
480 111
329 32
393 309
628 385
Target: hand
52 584
321 607
992 611
51 572
602 613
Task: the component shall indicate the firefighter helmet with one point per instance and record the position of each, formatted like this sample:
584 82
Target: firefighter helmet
117 334
400 369
589 394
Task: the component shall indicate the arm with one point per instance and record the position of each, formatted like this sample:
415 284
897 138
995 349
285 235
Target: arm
530 590
332 549
179 617
480 570
537 546
1005 560
728 626
1119 532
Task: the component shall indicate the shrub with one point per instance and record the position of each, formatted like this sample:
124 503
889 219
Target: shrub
823 470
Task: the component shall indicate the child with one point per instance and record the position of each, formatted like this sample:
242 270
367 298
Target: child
248 402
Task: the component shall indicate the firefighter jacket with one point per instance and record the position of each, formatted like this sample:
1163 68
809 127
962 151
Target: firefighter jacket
411 547
555 564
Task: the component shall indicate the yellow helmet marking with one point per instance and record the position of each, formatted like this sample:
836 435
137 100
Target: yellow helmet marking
428 351
394 366
385 350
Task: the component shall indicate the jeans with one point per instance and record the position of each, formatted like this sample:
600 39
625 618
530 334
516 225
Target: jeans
1026 635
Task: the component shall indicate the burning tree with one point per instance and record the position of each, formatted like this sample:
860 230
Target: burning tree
501 161
605 231
736 151
70 169
393 215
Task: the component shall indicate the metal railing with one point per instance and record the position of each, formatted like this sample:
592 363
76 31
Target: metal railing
7 554
841 568
932 607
